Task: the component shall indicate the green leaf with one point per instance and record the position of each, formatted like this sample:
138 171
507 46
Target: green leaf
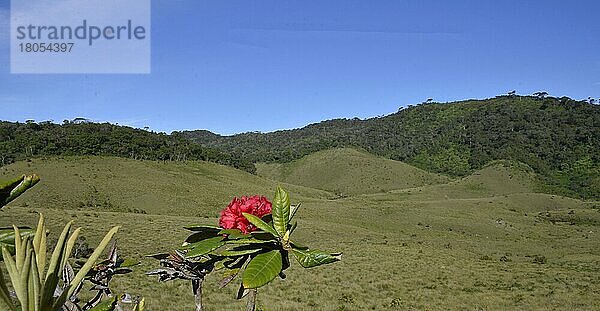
234 252
25 278
228 276
298 246
20 249
7 235
249 241
281 211
5 300
140 306
203 228
201 235
293 227
204 247
11 189
262 235
69 247
7 238
52 275
313 258
35 283
234 234
260 224
262 269
40 247
89 264
293 210
235 262
107 305
129 263
13 273
229 231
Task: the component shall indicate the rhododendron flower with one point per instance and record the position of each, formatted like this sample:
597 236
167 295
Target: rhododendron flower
232 218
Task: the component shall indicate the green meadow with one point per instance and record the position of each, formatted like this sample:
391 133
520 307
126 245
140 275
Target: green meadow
411 239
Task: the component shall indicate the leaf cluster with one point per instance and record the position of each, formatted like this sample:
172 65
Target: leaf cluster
55 287
37 282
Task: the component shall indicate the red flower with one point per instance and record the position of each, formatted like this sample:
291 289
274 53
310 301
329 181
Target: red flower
232 218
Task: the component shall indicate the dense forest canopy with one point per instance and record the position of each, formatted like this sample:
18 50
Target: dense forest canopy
20 141
558 137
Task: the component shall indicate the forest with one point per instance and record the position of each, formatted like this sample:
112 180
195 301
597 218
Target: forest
21 141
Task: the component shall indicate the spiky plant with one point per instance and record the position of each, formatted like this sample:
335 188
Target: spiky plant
55 287
36 281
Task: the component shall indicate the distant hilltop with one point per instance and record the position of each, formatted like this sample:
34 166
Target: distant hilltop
557 137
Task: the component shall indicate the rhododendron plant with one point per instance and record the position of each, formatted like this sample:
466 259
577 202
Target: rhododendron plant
232 217
253 241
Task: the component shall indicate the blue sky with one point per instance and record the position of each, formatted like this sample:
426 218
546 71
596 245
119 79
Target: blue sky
237 66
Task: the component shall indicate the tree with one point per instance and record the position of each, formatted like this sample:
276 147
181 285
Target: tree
79 120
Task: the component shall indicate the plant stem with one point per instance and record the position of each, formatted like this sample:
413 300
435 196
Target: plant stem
251 304
197 288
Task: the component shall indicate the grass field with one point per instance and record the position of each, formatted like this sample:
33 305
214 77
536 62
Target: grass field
485 242
347 171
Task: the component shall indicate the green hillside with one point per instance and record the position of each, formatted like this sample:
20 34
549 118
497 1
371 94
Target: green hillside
498 178
192 188
557 137
20 141
482 242
349 172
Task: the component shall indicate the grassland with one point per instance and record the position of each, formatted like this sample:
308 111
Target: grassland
346 171
489 241
145 187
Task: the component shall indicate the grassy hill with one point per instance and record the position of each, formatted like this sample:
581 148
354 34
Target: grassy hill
347 171
193 188
498 178
486 241
557 137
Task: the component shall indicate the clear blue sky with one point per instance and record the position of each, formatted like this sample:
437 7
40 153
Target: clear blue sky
236 66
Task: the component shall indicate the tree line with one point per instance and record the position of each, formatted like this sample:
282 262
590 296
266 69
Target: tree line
19 141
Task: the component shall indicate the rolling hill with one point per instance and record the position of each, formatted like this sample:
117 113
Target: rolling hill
192 188
485 241
498 178
487 237
557 137
347 171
